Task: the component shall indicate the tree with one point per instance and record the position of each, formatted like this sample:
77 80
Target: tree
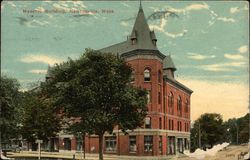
9 99
211 129
238 129
244 128
96 88
39 120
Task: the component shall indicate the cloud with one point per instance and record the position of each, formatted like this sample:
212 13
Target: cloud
197 56
11 4
31 23
38 71
161 28
192 7
223 67
123 23
125 4
243 49
233 56
41 59
218 97
40 9
68 5
225 19
197 7
176 35
234 10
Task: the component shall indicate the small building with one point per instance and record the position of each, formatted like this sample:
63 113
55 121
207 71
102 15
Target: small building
167 126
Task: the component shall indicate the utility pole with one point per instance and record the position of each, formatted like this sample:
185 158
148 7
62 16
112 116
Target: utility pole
237 133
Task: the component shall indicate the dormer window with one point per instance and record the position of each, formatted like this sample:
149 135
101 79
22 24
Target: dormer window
147 76
133 37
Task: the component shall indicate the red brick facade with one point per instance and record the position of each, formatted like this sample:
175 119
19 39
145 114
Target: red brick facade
167 126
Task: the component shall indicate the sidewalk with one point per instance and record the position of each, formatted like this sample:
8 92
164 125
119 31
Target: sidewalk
79 156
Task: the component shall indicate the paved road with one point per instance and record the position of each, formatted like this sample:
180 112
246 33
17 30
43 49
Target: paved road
230 153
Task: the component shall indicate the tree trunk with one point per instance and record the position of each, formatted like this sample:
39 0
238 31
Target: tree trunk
101 147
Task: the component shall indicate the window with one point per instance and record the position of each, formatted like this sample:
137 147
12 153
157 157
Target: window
186 108
132 76
172 125
110 144
179 106
160 144
132 143
79 144
147 122
160 124
149 96
159 76
147 76
171 145
67 144
148 143
159 97
180 126
171 103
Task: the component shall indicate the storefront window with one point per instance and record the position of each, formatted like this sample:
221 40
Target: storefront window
132 143
148 143
110 144
67 144
160 144
171 145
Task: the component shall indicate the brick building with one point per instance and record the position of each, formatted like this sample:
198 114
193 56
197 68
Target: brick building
167 126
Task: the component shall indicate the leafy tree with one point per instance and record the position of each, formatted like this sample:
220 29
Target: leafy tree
96 88
238 127
39 120
244 128
9 98
211 129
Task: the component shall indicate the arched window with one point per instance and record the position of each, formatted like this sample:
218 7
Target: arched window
149 96
147 76
186 106
159 76
133 75
171 103
179 106
147 122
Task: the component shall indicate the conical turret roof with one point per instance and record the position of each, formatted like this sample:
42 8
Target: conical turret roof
168 63
143 33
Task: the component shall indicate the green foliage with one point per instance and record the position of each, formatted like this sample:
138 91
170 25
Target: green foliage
238 126
244 128
211 129
9 98
214 130
96 88
39 119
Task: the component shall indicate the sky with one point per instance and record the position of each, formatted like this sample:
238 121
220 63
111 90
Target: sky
207 40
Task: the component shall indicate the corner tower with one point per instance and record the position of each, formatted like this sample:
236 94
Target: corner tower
166 126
